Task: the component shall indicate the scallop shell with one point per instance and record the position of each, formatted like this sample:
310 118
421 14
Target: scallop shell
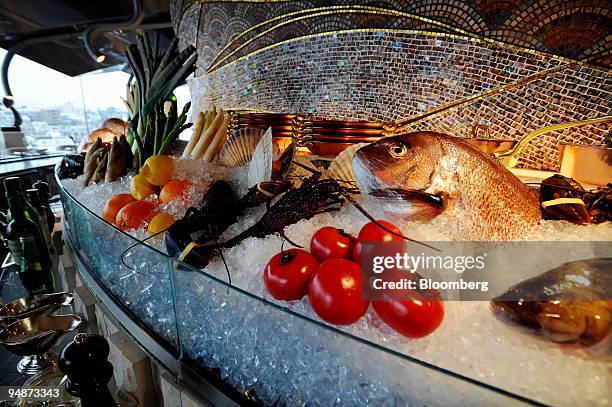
341 168
260 168
239 147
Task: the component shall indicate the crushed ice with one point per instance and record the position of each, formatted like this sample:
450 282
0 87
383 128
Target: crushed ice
288 360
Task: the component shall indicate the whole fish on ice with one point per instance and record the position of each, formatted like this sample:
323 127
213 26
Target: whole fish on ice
422 175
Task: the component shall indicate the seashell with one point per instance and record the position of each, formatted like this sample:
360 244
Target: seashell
98 175
117 163
92 159
341 168
127 150
260 168
239 147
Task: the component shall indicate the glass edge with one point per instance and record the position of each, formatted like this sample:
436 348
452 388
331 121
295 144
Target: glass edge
172 262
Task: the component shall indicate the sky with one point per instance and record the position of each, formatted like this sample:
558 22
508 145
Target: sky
35 85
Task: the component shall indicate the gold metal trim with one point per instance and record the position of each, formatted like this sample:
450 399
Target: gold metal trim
401 125
266 22
199 3
365 10
351 10
510 158
335 32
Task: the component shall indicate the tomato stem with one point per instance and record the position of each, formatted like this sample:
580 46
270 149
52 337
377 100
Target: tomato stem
287 256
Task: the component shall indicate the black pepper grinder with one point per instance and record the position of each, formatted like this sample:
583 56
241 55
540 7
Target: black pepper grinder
84 361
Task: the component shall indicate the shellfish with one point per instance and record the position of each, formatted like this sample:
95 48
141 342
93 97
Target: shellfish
239 147
341 168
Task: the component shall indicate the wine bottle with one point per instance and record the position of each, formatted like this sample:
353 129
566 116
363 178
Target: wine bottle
43 189
26 242
33 196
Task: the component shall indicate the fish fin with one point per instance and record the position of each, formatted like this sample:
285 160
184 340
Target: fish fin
425 206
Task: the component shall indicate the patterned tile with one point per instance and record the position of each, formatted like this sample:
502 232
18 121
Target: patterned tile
366 66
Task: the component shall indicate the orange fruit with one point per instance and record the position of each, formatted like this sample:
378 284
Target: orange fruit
114 205
160 222
173 189
135 215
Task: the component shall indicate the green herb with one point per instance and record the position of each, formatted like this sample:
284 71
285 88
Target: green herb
155 122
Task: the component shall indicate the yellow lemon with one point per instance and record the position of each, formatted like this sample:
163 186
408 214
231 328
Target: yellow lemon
140 188
158 169
160 222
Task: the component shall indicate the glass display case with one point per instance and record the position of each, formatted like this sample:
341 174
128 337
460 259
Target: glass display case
498 89
284 355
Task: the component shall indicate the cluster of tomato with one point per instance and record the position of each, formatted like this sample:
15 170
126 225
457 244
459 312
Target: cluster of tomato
331 276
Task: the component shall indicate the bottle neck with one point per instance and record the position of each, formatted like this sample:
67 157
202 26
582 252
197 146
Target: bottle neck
33 200
17 205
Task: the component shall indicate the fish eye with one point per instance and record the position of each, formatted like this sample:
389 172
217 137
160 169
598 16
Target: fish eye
398 150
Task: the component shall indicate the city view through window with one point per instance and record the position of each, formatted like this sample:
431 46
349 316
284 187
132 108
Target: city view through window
59 111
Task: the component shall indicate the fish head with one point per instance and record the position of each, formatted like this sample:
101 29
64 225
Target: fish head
407 161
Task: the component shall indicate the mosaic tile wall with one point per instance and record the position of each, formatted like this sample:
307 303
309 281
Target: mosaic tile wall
573 94
572 28
389 77
389 73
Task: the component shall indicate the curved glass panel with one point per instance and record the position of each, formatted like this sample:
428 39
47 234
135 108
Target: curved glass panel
277 355
145 291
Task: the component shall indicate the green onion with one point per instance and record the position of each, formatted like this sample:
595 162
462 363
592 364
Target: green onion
156 74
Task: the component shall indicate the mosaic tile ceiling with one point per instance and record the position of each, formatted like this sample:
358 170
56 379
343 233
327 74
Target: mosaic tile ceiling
572 28
425 64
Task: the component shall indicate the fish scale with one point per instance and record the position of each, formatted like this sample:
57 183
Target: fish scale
484 201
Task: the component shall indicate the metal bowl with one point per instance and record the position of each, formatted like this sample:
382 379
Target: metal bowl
589 164
347 124
344 131
491 146
37 334
326 138
265 117
36 305
327 148
49 377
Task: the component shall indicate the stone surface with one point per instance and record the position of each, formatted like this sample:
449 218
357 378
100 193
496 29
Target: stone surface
67 273
176 395
85 305
106 327
132 369
188 399
171 391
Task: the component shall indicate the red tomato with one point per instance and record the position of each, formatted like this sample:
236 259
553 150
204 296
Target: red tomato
286 275
413 318
335 292
331 243
371 232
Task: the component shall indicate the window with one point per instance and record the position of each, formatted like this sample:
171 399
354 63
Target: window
59 110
